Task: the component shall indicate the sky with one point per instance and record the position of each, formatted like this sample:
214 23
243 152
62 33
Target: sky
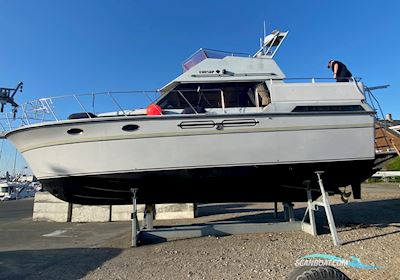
63 47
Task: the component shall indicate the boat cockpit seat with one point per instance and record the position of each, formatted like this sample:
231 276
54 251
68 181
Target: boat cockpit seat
81 116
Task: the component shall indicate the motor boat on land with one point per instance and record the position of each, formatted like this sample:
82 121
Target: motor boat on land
14 190
231 128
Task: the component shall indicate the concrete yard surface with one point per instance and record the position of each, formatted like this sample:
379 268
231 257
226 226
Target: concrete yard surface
369 229
42 250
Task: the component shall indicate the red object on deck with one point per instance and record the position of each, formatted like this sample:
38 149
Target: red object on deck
153 110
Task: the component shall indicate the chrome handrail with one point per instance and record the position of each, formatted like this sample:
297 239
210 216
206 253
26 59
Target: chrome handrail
43 109
328 79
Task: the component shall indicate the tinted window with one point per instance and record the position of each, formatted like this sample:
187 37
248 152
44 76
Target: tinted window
340 108
209 96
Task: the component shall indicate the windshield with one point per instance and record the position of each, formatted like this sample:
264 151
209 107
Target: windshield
202 54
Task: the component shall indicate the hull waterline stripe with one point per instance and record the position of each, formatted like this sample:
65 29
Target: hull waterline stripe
193 133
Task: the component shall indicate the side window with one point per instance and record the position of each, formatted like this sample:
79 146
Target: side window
243 95
209 95
210 99
328 108
206 99
169 101
239 97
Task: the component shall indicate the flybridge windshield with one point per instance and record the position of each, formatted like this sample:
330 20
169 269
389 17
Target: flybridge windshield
272 42
202 54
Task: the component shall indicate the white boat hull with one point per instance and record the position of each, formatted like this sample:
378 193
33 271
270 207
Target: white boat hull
104 157
160 144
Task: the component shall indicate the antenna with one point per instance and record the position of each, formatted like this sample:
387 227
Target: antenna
264 29
264 36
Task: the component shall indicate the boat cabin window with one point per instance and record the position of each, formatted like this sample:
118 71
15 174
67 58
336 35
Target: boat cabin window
4 189
209 95
329 108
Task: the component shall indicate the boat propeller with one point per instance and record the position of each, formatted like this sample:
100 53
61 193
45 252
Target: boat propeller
7 96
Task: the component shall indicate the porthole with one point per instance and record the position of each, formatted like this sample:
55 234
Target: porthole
74 131
130 127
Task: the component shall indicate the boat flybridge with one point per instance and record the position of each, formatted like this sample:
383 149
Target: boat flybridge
231 128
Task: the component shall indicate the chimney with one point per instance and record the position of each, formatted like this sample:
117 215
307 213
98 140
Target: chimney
388 117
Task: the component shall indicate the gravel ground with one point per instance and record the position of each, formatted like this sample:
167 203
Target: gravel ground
369 229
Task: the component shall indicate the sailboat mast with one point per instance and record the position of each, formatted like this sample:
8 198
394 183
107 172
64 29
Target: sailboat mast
15 162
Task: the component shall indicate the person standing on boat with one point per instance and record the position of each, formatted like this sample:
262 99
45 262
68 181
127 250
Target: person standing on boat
340 71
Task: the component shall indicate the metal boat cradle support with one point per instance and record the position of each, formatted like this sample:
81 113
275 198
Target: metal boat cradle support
151 234
312 206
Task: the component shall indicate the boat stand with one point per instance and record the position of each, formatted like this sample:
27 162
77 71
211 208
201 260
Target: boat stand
155 235
149 215
134 219
312 206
